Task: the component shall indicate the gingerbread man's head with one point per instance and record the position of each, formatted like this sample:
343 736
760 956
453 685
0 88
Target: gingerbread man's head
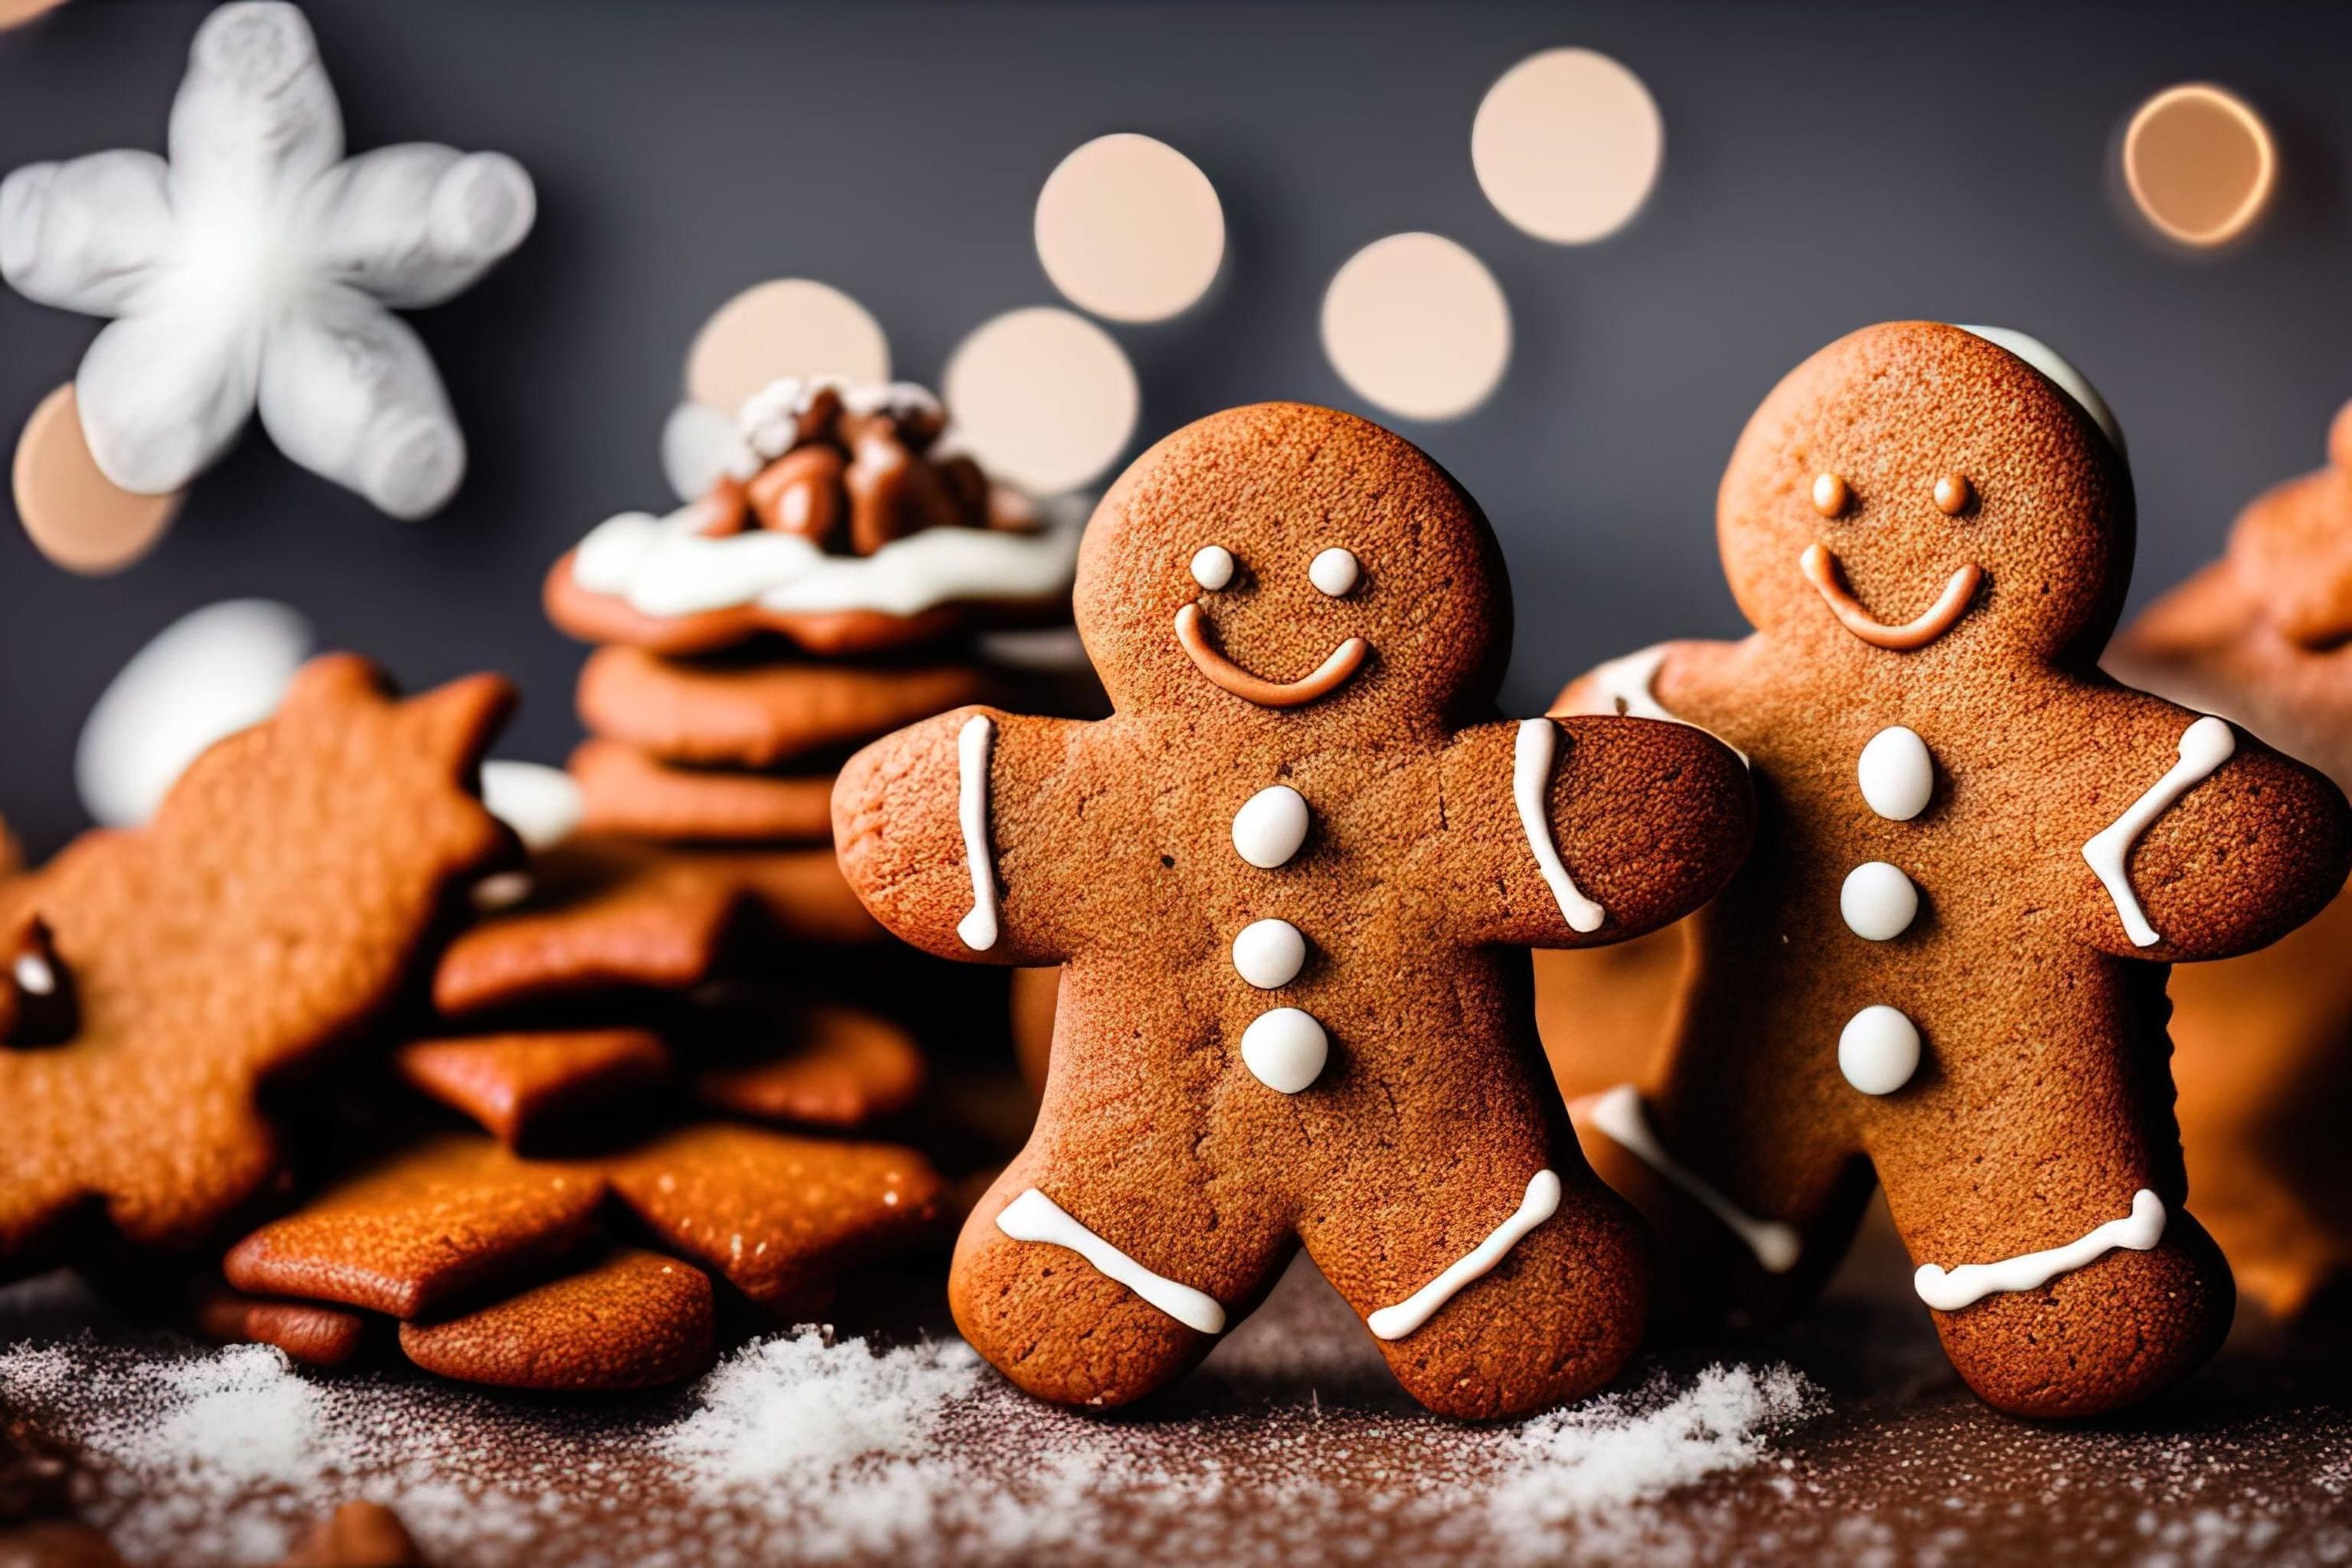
1916 486
1286 559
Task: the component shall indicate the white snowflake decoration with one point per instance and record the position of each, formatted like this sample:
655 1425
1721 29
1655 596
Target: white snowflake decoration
254 269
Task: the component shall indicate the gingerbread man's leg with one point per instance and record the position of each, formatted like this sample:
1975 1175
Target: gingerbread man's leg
1090 1293
1512 1281
2065 1277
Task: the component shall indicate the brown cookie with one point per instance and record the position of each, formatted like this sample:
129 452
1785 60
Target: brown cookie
778 1216
511 1084
602 619
891 543
271 908
633 1320
459 1235
1287 882
758 715
624 792
1976 856
604 912
443 1224
312 1334
2263 1042
818 1066
359 1534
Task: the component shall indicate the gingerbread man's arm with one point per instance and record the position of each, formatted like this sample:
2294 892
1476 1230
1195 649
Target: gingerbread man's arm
1583 831
964 834
2211 845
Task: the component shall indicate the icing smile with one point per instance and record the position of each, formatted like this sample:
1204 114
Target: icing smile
1820 568
1192 633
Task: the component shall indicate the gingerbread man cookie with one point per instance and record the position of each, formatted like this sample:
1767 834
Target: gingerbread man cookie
1289 881
2262 1044
1976 859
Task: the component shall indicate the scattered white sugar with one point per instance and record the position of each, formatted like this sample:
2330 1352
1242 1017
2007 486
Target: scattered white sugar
1623 1448
802 1403
241 1413
806 1447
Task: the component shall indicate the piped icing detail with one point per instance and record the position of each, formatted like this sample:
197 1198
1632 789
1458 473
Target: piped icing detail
1285 1048
1343 661
1896 773
2204 747
1530 783
1033 1217
1270 827
1618 1112
1821 569
975 747
666 567
1949 1292
1543 1201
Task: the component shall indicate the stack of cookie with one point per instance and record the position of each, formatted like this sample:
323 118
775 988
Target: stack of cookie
815 599
623 1178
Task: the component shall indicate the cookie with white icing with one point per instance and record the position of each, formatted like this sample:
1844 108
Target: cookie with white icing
1290 881
847 525
1976 859
2262 1044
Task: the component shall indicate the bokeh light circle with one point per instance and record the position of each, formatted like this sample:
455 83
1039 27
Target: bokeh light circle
1129 228
1417 325
1568 144
2200 163
76 516
1043 397
788 326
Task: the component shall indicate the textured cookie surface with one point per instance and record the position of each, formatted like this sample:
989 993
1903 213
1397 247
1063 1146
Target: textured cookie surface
604 912
271 907
2262 1044
758 715
1291 600
625 792
1945 958
634 1319
495 1263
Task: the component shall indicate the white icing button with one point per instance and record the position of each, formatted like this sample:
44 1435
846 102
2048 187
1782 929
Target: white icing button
1334 570
1897 775
1270 953
1879 901
1212 566
1285 1048
1879 1050
1270 827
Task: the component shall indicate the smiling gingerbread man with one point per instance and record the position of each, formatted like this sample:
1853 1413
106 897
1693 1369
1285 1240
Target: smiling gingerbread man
1976 859
1289 882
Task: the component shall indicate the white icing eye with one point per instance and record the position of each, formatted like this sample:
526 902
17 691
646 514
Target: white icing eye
1334 572
1212 566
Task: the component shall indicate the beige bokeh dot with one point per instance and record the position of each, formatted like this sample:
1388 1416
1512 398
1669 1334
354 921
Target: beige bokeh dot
788 326
76 516
1043 397
15 12
1417 325
1129 228
2200 163
1567 145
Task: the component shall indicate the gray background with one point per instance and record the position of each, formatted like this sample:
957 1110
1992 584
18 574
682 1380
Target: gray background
1826 166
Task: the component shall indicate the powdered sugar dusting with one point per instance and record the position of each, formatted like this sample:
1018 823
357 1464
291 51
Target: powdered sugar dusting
811 1447
1291 1443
